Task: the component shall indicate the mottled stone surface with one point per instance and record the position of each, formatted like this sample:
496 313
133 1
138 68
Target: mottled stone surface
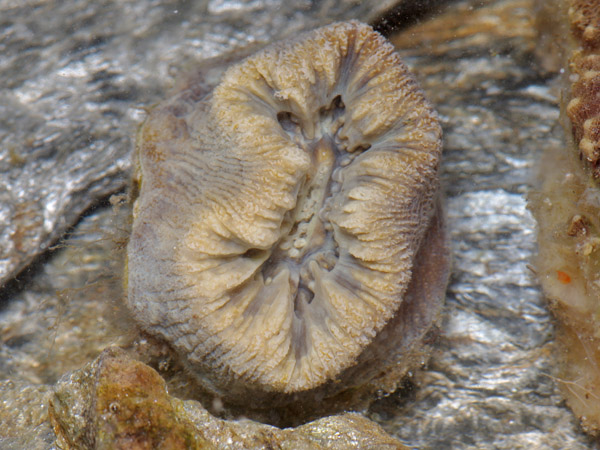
492 385
118 403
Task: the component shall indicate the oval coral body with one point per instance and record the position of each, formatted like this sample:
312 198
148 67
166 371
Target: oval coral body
279 216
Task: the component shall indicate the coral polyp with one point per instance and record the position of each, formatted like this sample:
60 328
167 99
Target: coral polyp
282 216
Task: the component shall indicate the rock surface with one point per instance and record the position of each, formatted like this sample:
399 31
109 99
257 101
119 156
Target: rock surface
118 403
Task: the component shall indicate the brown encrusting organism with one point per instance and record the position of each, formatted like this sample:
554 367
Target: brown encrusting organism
286 238
584 107
116 403
568 213
585 22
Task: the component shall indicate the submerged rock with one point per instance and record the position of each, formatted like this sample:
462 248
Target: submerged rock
119 403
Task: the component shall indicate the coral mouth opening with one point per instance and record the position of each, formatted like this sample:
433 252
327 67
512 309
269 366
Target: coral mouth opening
308 235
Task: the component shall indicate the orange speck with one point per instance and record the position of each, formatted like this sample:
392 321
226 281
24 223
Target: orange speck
563 277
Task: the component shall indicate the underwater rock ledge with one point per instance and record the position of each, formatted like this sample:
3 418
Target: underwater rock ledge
118 403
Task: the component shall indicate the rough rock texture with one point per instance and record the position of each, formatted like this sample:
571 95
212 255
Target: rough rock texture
493 383
279 218
118 403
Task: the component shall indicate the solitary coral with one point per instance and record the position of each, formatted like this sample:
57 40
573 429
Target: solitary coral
280 218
